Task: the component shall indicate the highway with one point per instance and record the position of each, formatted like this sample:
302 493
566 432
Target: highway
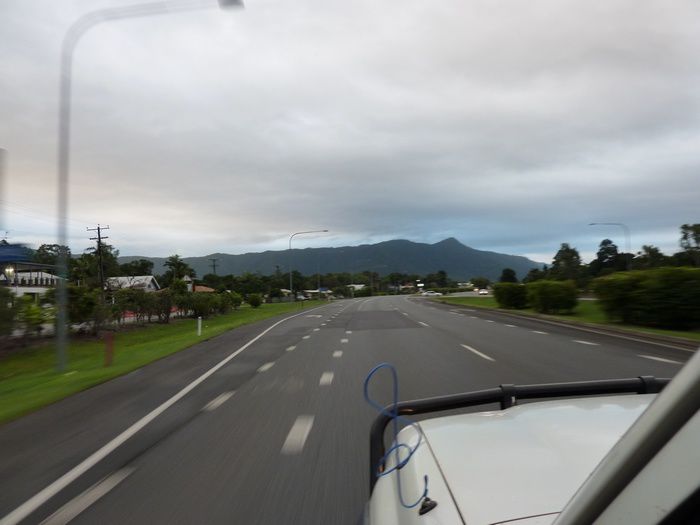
279 432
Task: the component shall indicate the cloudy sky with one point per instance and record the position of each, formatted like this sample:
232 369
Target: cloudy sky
509 125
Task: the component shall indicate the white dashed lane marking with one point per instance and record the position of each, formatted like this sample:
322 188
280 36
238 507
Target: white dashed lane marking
539 332
316 329
218 401
511 326
424 324
663 360
338 353
490 321
290 348
326 379
77 505
266 367
296 438
348 332
306 337
344 340
585 342
480 354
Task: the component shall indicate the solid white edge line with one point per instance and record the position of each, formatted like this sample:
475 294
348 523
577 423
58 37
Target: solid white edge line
296 438
663 360
478 353
80 503
218 401
54 488
580 341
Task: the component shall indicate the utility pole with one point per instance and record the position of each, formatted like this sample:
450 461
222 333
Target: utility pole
100 268
213 265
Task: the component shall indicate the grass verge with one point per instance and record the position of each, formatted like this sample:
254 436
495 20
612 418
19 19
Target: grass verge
28 379
585 312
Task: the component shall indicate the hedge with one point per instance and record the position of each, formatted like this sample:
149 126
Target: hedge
661 297
510 295
552 297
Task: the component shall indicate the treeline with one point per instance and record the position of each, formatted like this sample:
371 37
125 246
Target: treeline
647 289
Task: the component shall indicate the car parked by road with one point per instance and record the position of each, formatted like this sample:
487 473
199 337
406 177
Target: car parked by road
431 293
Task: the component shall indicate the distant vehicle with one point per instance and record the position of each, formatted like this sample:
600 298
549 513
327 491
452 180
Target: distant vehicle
483 291
430 293
613 451
301 297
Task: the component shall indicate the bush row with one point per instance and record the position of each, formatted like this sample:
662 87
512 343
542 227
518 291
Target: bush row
663 297
548 297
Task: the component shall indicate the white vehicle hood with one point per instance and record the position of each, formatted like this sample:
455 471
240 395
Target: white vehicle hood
528 460
523 463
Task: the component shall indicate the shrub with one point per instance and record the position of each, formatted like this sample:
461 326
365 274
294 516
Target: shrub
551 297
236 300
510 295
254 300
662 297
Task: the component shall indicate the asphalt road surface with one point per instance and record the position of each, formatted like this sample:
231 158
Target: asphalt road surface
278 433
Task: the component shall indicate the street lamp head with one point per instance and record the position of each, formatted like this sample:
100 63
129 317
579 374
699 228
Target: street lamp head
230 4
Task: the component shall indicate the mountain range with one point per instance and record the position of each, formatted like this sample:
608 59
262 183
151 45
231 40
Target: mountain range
459 261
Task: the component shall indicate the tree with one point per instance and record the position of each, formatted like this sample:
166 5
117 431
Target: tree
690 241
649 257
137 267
48 254
508 276
480 282
536 274
566 264
177 269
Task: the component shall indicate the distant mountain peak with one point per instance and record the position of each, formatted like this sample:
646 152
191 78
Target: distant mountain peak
450 241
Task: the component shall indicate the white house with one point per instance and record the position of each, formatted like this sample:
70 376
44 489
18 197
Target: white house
27 282
147 283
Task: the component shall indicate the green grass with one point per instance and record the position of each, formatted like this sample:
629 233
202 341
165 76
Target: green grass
28 378
586 312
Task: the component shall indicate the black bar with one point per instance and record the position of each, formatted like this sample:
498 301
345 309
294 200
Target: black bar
505 395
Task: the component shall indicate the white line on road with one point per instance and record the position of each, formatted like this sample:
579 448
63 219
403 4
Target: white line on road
585 342
218 401
478 353
404 313
539 332
316 329
326 379
511 326
661 359
296 438
338 353
323 324
290 348
348 331
306 337
424 324
266 367
490 321
473 317
66 479
77 505
344 340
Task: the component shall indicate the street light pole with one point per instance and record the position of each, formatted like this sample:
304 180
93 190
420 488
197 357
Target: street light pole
291 290
75 32
624 227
